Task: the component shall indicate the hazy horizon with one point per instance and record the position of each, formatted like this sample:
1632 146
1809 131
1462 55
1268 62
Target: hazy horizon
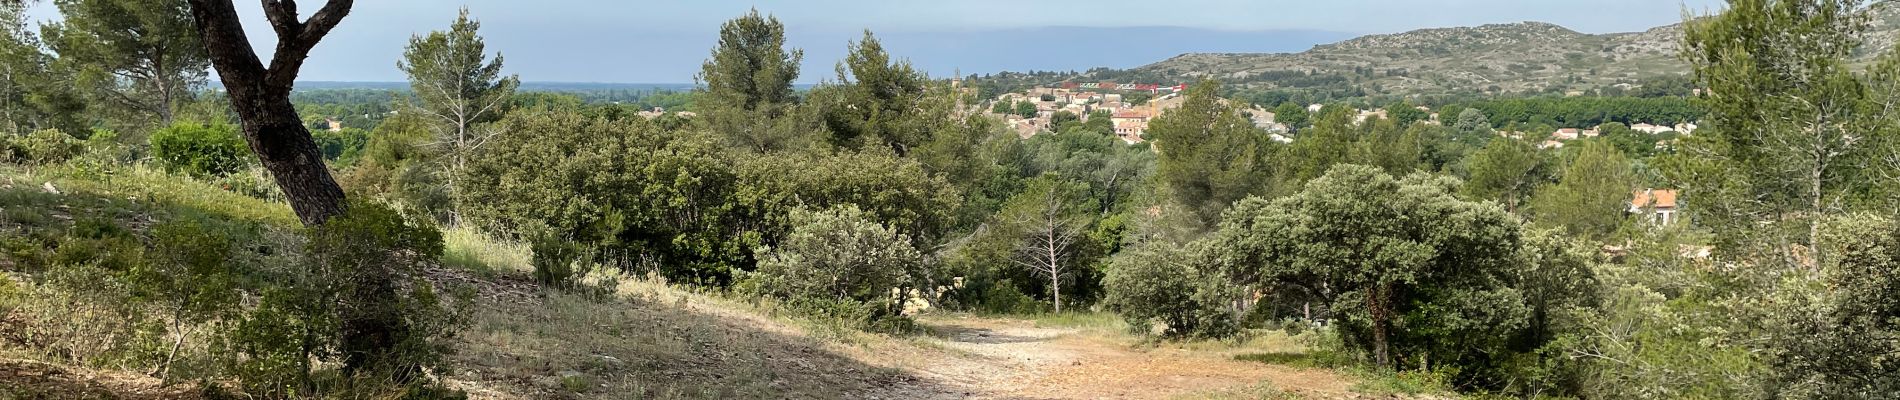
602 41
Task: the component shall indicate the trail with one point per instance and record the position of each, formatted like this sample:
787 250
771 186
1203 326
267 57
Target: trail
1012 359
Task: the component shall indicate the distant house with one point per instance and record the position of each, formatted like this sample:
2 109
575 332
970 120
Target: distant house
1685 128
1592 132
1657 206
333 125
1129 116
1365 115
1650 129
1130 131
1566 134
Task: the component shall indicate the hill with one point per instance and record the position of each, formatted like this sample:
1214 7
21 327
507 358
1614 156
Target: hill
1524 57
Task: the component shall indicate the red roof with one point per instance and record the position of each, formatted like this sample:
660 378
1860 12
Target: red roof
1658 198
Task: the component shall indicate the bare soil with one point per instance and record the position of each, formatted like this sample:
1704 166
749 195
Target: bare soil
1003 358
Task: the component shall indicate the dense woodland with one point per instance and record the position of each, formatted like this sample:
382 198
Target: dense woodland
1394 245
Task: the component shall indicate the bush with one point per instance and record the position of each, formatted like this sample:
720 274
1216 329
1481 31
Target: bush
1162 283
839 256
343 147
42 147
201 150
360 304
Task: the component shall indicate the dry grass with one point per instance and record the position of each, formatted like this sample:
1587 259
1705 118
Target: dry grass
470 249
642 338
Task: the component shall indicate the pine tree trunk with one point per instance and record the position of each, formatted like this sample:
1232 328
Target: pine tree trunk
284 145
261 97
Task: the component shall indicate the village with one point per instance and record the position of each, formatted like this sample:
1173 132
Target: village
1132 109
1038 110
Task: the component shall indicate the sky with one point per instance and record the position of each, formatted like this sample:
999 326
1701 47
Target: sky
665 41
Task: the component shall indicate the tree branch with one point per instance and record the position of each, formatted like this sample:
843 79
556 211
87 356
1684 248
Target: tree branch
295 39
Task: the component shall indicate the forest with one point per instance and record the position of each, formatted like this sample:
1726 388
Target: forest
151 225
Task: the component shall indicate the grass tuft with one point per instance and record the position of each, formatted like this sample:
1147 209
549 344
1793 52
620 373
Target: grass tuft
469 249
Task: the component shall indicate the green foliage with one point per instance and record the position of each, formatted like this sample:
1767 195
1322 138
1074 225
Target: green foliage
342 147
190 276
396 166
137 61
1173 286
34 95
456 88
1045 227
874 101
42 147
1211 156
360 304
1835 339
1413 275
748 80
1662 330
1593 197
631 196
840 255
201 150
1793 127
896 192
1505 170
1025 109
1587 112
1291 114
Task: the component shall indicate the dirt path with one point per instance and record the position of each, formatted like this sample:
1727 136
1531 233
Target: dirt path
992 358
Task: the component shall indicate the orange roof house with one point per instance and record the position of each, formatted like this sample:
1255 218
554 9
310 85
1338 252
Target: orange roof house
1659 206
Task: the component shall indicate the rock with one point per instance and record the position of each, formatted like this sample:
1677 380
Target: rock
48 187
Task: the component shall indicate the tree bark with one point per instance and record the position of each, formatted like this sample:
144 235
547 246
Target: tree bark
1377 302
261 96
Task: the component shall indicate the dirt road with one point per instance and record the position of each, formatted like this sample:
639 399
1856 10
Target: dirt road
992 358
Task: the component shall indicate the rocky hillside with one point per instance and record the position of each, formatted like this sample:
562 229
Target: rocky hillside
1510 58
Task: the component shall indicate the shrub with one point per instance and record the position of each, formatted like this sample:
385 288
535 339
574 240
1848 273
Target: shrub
839 256
360 303
1162 283
189 276
202 150
42 147
343 147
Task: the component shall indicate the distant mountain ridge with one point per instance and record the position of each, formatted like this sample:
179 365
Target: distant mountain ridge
1496 58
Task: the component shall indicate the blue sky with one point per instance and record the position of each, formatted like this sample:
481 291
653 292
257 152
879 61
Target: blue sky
664 41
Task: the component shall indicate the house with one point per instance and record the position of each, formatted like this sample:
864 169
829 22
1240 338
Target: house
1685 128
1130 131
333 125
1025 128
1592 132
1369 115
1650 129
1658 206
1129 116
1566 134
